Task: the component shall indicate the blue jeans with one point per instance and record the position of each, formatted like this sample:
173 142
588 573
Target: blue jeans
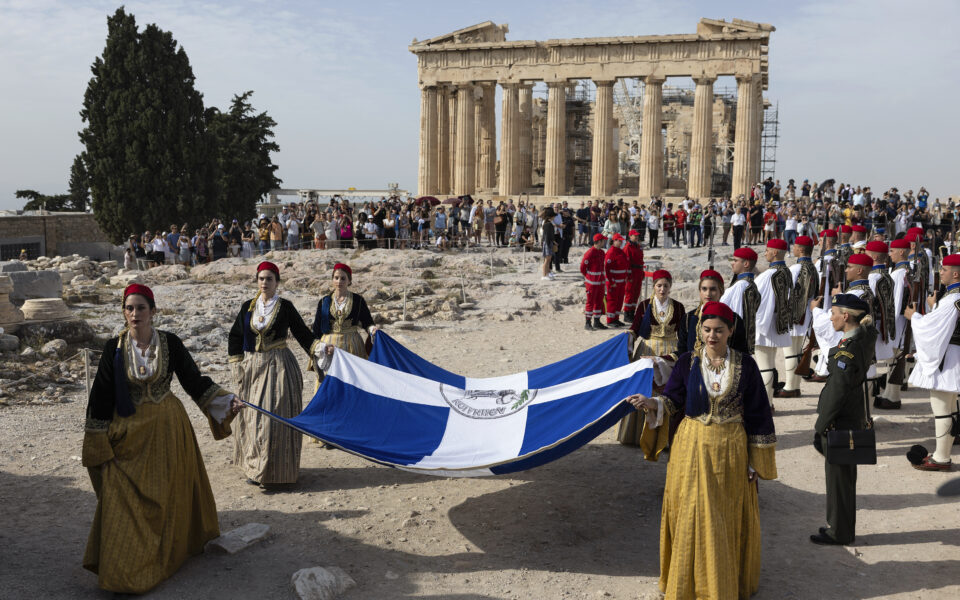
790 236
264 246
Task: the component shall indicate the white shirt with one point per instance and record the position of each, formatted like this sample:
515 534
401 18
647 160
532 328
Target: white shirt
738 218
935 329
263 311
766 318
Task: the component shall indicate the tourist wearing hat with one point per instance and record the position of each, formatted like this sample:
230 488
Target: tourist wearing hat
842 406
634 283
805 287
774 316
937 366
591 267
856 273
710 289
898 252
616 266
155 507
268 375
742 296
710 523
884 312
655 326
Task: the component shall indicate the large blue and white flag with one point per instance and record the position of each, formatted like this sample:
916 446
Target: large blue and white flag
410 414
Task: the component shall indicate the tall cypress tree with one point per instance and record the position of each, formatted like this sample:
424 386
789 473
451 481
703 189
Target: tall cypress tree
147 154
79 185
244 141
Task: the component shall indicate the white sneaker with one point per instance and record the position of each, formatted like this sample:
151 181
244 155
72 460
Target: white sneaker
546 278
551 275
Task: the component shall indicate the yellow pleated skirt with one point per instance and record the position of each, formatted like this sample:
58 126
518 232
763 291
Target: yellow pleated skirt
710 525
155 507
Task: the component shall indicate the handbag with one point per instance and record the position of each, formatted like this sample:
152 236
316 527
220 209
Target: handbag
497 220
853 446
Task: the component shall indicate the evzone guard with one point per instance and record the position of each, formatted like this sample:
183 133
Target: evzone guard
615 268
882 287
828 263
742 296
806 285
774 315
890 394
937 365
591 267
634 287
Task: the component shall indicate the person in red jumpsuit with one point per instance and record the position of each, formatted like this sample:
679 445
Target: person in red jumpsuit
615 268
591 266
634 286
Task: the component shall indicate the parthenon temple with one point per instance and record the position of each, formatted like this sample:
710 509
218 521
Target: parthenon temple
591 132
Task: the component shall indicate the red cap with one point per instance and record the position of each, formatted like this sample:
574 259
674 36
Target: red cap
617 237
859 228
846 229
828 233
718 309
137 288
745 253
913 237
877 246
662 274
953 260
711 274
804 240
345 269
634 232
860 259
598 236
902 243
269 266
777 244
917 230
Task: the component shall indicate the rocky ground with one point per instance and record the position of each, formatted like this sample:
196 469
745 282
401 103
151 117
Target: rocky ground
586 526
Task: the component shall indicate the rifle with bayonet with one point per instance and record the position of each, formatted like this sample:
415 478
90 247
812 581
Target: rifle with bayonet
911 291
803 365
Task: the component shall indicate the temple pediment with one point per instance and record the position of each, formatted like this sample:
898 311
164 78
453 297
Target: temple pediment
488 31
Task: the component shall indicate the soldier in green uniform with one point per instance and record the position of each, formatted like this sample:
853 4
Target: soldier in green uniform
842 406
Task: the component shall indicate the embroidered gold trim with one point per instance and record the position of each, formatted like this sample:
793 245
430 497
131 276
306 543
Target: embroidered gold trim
762 441
96 425
209 394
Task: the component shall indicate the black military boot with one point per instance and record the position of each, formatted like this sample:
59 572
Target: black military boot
597 324
588 326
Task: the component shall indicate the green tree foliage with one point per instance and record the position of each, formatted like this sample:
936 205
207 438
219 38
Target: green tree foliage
245 172
147 154
38 201
79 185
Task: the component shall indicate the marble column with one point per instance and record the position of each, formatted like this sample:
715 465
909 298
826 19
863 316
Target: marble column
464 176
746 142
443 142
555 168
427 178
525 94
600 183
452 118
510 141
651 139
487 159
701 142
477 133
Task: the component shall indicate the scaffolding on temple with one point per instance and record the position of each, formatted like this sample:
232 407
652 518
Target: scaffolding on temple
768 141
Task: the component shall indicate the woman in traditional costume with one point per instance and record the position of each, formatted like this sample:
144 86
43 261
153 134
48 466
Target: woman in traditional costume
269 376
341 315
710 523
655 323
155 507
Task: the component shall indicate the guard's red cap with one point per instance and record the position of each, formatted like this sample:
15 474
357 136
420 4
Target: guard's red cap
858 228
860 259
804 240
598 236
952 260
634 232
877 246
345 269
846 229
138 288
902 243
617 237
913 237
718 309
917 230
711 274
662 274
777 244
269 266
828 233
745 253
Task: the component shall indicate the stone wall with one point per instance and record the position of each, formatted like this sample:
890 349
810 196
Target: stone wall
56 234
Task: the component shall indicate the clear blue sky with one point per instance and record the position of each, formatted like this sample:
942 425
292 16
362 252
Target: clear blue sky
867 89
